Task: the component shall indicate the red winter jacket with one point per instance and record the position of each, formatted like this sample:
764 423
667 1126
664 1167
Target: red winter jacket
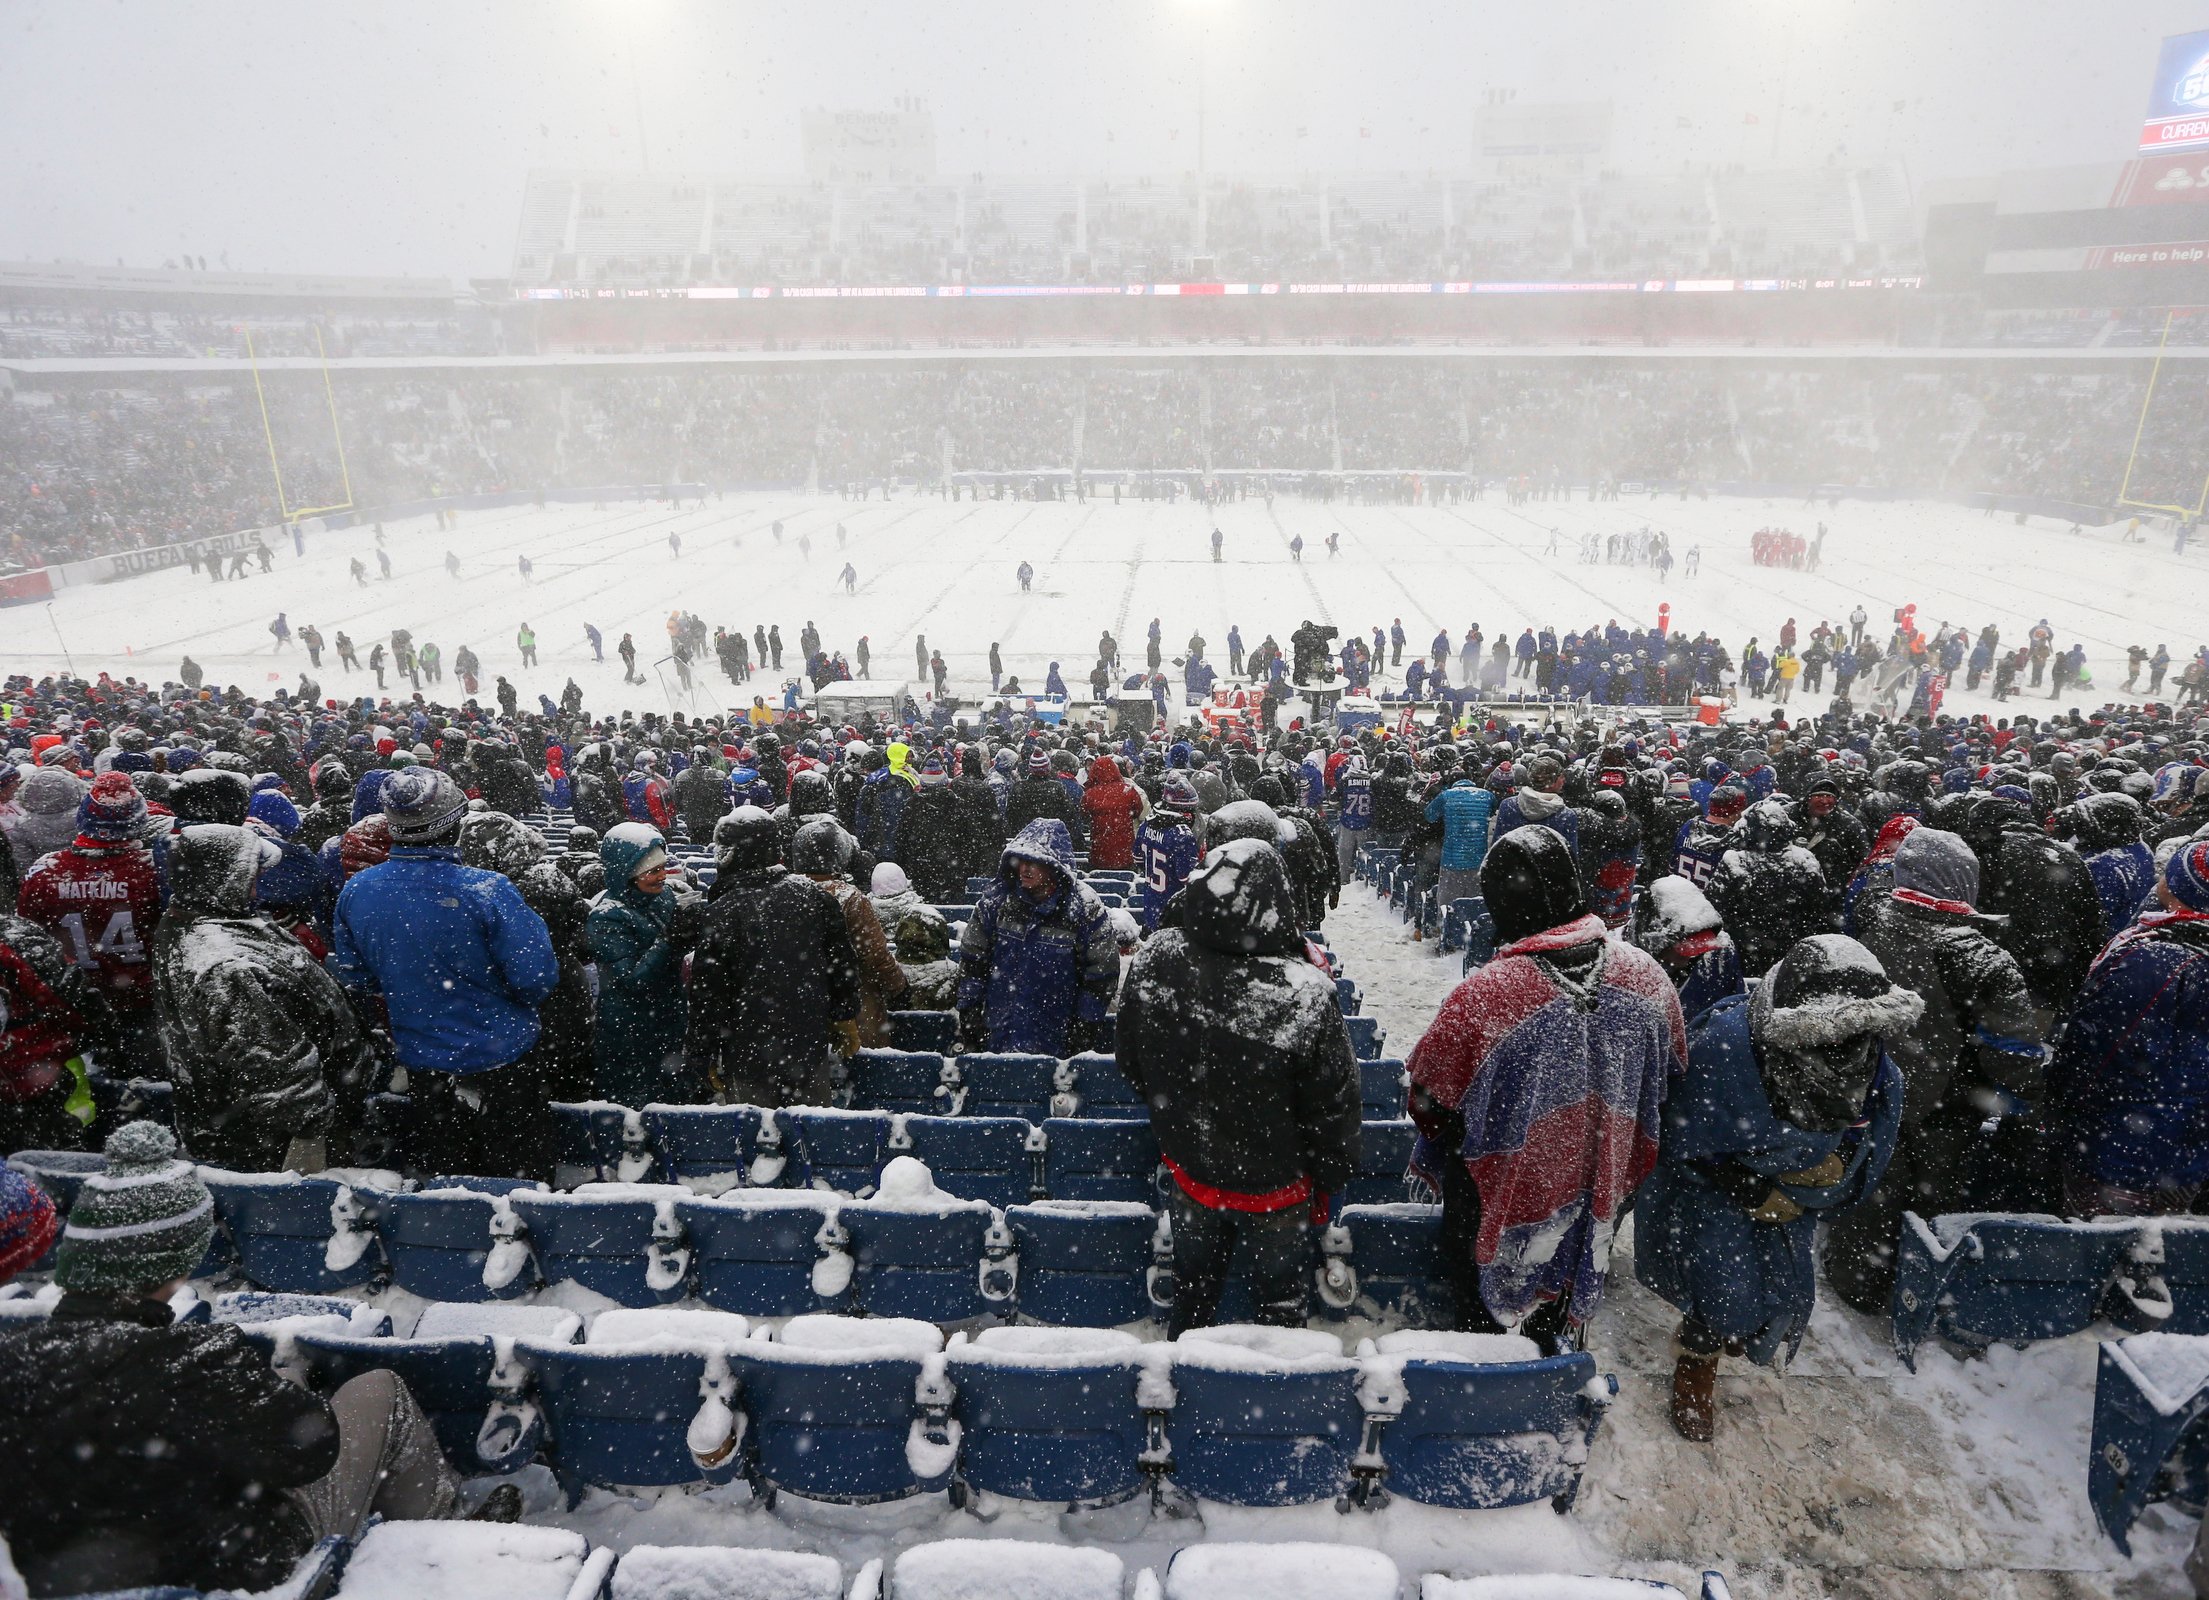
1114 805
102 901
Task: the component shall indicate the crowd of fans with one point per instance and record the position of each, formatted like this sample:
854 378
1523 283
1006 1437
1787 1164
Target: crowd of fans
83 471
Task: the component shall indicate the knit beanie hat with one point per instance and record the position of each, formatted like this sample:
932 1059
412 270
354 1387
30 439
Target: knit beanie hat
113 810
276 811
1178 793
1936 869
423 805
27 1221
2186 875
144 1221
1039 764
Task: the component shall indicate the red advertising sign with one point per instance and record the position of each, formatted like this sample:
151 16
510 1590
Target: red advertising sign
2164 181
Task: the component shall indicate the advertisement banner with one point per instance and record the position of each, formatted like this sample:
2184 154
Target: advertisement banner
132 563
2183 253
2178 108
2164 181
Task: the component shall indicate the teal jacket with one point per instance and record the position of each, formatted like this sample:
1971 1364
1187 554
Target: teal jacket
642 1010
1465 810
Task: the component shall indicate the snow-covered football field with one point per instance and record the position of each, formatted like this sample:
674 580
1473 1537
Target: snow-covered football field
926 567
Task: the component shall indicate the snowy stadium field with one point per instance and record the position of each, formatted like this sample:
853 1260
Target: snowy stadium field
946 571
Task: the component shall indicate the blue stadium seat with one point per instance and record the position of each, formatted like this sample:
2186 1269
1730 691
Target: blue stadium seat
1982 1280
925 1261
915 1082
1375 861
925 1030
481 1407
604 1140
706 1144
1348 997
1480 938
2150 1395
954 911
1384 1092
839 1150
969 1569
304 1235
1384 1150
1104 1091
1395 1251
2163 1284
1096 1158
973 1157
840 1411
1023 1086
1485 1421
1273 1420
1051 1415
978 886
453 1240
1104 1033
1365 1037
772 1253
1084 1264
622 1244
628 1408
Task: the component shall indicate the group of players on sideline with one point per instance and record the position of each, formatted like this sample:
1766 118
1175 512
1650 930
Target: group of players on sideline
1746 977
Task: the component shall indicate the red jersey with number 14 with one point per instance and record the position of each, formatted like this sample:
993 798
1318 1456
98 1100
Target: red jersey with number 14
102 902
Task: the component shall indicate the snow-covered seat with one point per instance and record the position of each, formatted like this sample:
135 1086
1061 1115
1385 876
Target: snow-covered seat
603 1141
1287 1571
974 1157
920 1082
988 1569
456 1239
1011 1085
718 1572
1053 1414
298 1234
1383 1090
920 1252
468 1560
2150 1442
1104 1089
1978 1279
1395 1252
650 1397
1263 1416
2163 1284
623 1241
712 1146
1384 1151
1473 1420
839 1150
1100 1158
461 1365
848 1409
768 1252
925 1030
1084 1263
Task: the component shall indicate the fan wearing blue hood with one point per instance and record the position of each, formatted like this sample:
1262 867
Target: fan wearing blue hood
1038 962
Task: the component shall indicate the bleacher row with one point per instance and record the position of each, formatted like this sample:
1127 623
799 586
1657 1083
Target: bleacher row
1460 925
467 1561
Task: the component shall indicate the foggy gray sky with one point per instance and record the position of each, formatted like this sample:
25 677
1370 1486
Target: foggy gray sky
395 136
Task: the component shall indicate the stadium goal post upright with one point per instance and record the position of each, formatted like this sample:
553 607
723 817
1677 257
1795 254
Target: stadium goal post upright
292 513
2147 400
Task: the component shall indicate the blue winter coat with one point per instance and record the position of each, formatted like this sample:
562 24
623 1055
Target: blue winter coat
1701 1250
1037 967
461 961
1711 977
2130 1081
2123 877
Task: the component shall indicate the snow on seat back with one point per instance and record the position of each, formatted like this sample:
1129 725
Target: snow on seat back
1249 1347
992 1569
840 1339
1470 1349
1545 1586
1280 1572
667 1328
464 1319
464 1561
2169 1368
1049 1347
715 1572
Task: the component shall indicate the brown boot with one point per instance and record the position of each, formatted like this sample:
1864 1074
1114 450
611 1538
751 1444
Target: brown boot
1694 1398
